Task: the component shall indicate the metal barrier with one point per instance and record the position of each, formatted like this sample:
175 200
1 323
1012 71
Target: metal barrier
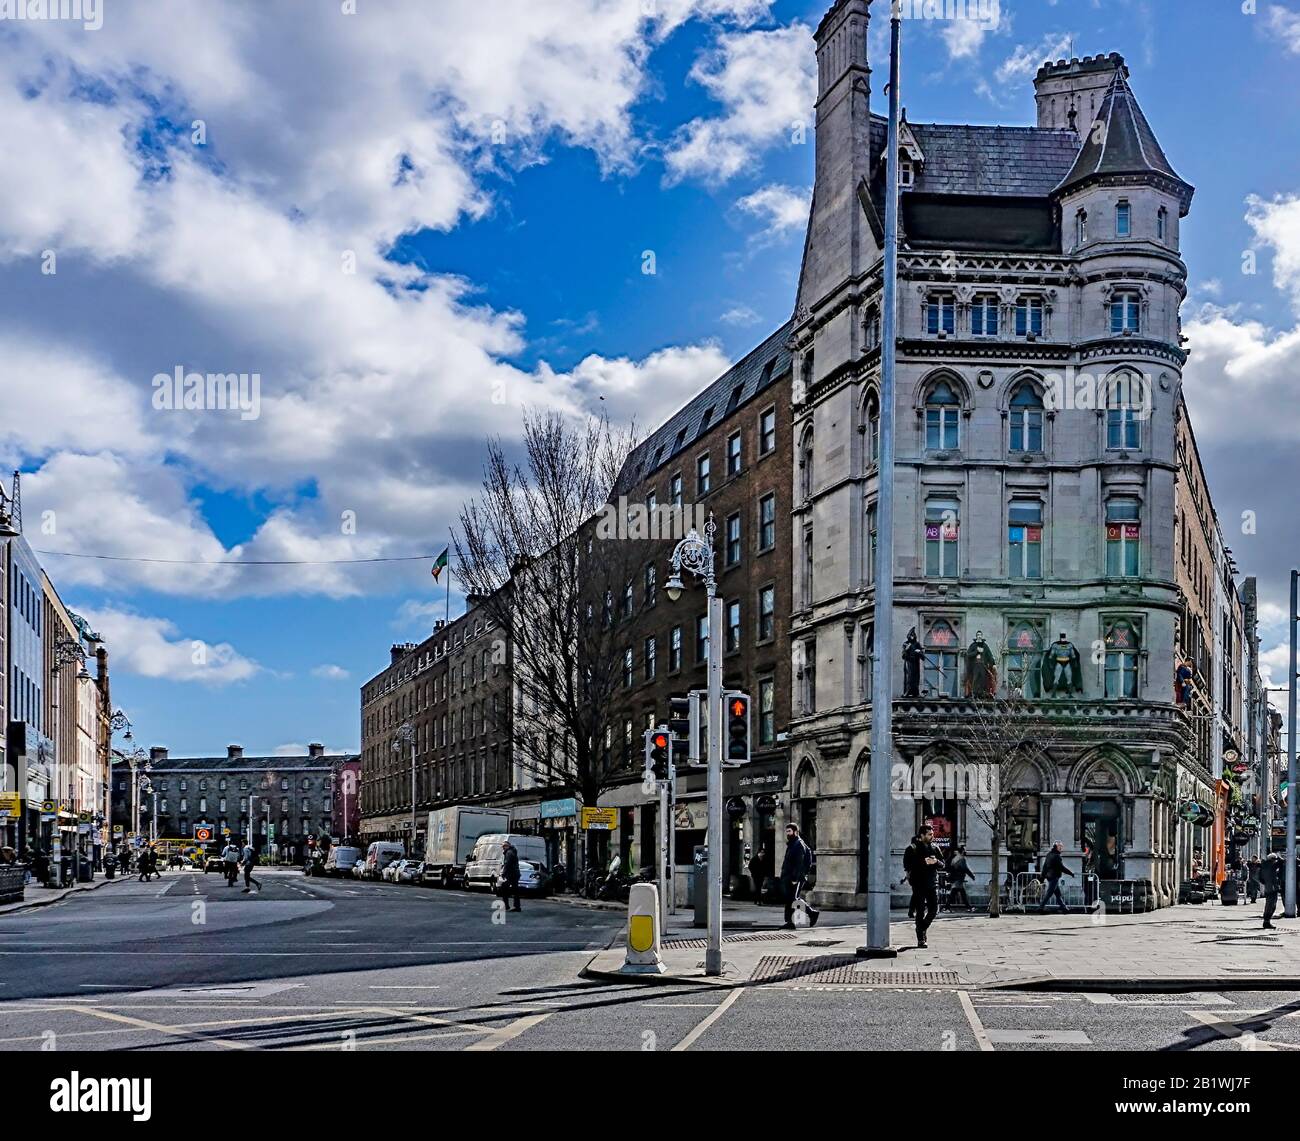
1026 889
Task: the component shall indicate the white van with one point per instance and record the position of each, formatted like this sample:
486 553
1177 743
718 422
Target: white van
485 862
379 855
340 860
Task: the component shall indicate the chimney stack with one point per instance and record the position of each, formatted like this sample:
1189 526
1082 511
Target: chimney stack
315 749
234 752
157 753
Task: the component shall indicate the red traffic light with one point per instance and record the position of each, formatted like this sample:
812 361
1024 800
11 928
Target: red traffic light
738 707
660 740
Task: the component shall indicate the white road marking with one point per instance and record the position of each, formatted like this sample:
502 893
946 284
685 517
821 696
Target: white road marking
977 1027
718 1011
1247 1039
509 1032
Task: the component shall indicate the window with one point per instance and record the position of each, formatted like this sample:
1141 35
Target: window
703 481
733 454
733 540
675 650
1162 223
1123 220
766 431
806 466
1080 227
1025 538
629 605
807 580
941 651
650 592
873 431
1123 537
869 562
940 315
1029 317
871 328
942 528
702 638
650 651
675 489
941 412
1026 419
766 711
1125 314
733 626
906 173
221 784
1124 413
766 613
767 522
808 682
984 316
651 504
1123 644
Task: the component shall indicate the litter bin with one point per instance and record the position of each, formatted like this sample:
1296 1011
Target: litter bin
85 870
700 886
110 867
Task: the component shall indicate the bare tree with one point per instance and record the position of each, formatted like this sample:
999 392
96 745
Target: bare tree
532 548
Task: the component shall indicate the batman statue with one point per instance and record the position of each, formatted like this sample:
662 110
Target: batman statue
1061 672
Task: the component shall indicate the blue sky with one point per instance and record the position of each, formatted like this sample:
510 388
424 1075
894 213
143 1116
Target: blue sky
498 173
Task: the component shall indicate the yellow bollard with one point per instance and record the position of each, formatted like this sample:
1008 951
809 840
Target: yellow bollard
643 933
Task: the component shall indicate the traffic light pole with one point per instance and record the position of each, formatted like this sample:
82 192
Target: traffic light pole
713 951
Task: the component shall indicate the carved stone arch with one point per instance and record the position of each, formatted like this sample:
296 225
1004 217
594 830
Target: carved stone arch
1033 763
1104 769
1142 386
962 390
806 783
1013 382
862 773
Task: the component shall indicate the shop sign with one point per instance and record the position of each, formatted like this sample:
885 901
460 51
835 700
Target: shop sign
757 777
11 804
683 818
556 809
599 819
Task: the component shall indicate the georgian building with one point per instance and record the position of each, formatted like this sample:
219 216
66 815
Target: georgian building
1036 483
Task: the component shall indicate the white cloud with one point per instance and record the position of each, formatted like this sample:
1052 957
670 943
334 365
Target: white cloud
329 672
781 209
766 83
155 648
740 315
964 38
1285 24
1020 66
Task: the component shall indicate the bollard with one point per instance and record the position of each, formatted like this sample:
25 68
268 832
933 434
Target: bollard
643 932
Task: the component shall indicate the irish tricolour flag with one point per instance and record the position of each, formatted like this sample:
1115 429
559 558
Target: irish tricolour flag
440 564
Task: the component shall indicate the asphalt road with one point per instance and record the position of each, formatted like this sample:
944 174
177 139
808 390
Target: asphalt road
186 962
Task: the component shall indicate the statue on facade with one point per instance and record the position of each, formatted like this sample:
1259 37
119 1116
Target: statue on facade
913 656
981 668
1062 674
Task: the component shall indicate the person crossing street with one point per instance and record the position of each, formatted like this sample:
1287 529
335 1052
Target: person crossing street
230 858
250 860
510 875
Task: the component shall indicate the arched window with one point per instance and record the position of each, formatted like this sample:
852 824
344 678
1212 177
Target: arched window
871 417
1123 644
1026 419
1024 658
941 417
1081 227
806 466
1162 223
941 649
871 328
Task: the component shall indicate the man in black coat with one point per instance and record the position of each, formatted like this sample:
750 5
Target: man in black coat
795 867
922 862
510 875
1053 869
958 873
1272 876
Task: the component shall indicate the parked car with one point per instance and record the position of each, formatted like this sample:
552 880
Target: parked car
379 855
341 860
358 871
407 871
484 866
214 864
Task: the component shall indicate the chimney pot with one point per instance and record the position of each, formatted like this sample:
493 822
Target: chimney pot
315 749
234 752
158 753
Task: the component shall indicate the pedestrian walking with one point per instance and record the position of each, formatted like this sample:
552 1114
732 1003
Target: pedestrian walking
1272 875
250 860
230 855
922 863
1252 879
757 868
907 878
1053 869
958 873
795 867
510 875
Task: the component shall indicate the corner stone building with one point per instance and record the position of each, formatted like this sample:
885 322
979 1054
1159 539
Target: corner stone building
1039 269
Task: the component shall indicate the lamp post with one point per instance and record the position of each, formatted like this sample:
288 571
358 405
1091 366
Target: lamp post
66 651
695 555
406 736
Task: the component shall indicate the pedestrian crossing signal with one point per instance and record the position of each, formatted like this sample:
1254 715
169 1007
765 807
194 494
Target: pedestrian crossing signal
737 728
658 746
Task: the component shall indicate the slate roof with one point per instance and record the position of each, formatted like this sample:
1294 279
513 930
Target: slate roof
246 764
1127 145
1003 162
751 374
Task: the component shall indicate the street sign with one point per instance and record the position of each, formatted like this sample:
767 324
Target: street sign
49 806
117 829
599 819
11 804
202 834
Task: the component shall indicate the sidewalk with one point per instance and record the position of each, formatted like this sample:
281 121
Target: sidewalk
38 896
1203 947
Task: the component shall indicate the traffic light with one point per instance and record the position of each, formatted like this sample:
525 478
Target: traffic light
737 728
658 747
679 717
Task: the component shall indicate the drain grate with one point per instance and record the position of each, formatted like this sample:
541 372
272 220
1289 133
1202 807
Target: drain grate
840 970
700 944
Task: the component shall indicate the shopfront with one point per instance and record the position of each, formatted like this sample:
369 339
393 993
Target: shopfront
751 794
557 821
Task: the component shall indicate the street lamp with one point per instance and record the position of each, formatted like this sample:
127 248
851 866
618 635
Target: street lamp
406 735
695 554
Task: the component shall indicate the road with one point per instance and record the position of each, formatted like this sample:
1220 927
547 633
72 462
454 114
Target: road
186 962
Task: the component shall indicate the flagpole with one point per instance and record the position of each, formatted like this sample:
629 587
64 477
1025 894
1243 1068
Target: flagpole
447 612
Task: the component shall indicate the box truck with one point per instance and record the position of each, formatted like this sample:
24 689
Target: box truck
452 835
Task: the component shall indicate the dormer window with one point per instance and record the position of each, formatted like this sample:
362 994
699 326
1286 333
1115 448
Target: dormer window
984 316
1123 220
941 315
1029 317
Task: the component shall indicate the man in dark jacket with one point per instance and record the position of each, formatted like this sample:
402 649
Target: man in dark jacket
1053 869
510 875
795 867
958 873
1272 875
922 863
757 870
